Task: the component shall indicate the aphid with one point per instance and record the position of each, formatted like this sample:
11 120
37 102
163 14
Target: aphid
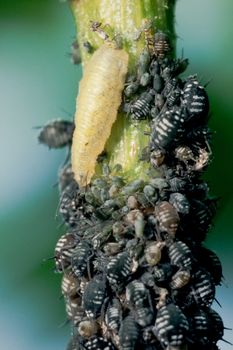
145 79
180 202
63 251
167 129
88 47
153 253
131 88
161 45
133 187
149 191
159 183
157 157
143 63
57 133
199 327
148 34
75 53
65 176
202 215
177 184
202 288
112 248
136 218
132 203
202 160
211 262
171 326
97 27
162 272
180 255
140 109
80 258
69 284
119 269
199 137
216 325
98 343
180 279
195 99
87 328
74 309
98 101
94 296
136 293
128 333
184 154
113 315
137 298
168 217
158 83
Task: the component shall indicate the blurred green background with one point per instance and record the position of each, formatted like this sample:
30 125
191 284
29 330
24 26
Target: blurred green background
37 83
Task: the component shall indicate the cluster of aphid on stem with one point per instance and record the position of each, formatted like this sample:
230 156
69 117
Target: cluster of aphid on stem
135 272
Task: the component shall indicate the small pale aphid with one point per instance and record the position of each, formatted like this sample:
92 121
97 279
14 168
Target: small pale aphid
87 328
136 218
153 252
180 279
202 160
157 157
184 154
132 202
168 217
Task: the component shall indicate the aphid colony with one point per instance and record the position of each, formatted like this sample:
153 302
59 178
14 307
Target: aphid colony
136 274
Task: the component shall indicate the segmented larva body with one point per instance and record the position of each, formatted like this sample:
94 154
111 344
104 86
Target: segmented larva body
97 105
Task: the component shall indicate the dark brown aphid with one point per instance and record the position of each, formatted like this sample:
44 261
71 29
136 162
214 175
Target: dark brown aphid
57 133
161 45
87 328
153 253
74 309
168 217
69 284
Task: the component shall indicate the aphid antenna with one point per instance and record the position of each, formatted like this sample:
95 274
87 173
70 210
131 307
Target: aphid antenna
66 112
228 329
217 302
45 260
89 265
226 341
64 323
103 309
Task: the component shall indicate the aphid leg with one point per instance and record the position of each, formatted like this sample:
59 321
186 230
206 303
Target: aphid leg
89 265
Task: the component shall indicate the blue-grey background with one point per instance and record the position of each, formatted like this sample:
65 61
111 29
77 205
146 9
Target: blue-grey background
37 83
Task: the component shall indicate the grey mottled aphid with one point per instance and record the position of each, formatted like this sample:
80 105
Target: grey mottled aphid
57 133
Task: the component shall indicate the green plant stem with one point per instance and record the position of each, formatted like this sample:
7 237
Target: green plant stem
123 19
